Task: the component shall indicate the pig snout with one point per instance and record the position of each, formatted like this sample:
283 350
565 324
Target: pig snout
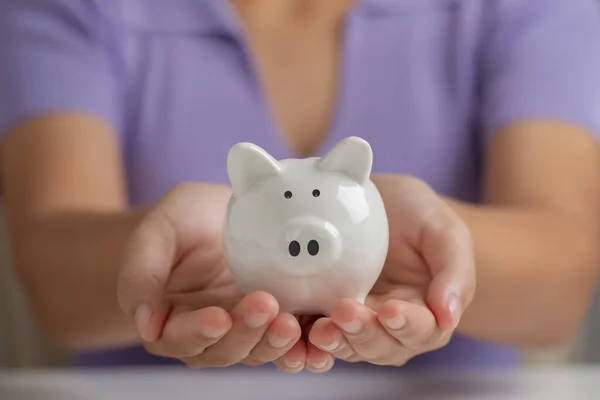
311 242
312 246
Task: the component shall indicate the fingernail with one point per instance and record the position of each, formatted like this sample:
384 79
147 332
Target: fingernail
353 326
332 346
212 333
278 342
398 322
256 320
320 364
292 364
454 304
142 318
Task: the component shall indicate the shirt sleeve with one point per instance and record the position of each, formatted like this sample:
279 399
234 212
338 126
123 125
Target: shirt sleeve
541 60
54 57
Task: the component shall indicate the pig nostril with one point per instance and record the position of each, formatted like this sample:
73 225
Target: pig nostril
313 247
294 248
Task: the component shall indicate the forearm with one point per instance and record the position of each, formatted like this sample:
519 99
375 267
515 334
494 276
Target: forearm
68 264
536 272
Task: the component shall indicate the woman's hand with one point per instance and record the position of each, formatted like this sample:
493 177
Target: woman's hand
426 284
176 286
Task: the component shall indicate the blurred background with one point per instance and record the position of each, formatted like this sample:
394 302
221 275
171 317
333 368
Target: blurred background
22 345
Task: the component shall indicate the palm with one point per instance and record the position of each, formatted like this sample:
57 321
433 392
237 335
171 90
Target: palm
405 275
200 277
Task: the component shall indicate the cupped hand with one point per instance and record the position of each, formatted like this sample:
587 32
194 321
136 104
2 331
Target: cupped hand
176 287
426 284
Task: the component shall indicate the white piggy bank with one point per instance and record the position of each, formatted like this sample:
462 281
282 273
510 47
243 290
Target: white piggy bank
308 231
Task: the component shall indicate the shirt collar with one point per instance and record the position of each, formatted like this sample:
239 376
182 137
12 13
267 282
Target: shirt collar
188 16
217 16
390 7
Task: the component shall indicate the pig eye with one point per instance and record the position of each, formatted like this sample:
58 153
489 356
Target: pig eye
288 194
316 193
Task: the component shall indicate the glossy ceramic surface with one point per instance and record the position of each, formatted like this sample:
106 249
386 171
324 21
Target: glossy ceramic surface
308 231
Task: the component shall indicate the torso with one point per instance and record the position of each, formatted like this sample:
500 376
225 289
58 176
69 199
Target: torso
199 77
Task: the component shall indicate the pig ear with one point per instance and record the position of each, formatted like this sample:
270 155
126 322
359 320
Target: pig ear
247 162
351 156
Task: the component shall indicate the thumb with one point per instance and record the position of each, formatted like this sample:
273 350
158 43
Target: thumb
448 251
147 263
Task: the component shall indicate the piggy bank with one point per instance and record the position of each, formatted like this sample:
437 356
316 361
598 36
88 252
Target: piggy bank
308 231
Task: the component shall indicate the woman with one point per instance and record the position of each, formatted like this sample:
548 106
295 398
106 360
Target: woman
482 117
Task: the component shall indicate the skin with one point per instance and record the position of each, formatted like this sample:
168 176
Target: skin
145 274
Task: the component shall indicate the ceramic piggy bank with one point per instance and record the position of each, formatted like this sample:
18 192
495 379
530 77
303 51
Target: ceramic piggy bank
308 231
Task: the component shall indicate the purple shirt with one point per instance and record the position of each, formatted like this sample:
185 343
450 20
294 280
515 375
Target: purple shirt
426 82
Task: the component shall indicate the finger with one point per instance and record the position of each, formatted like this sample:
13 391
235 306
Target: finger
295 359
147 264
189 333
448 250
317 361
251 319
281 336
327 336
364 333
412 325
306 323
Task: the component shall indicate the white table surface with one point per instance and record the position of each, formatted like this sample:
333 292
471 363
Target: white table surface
175 384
